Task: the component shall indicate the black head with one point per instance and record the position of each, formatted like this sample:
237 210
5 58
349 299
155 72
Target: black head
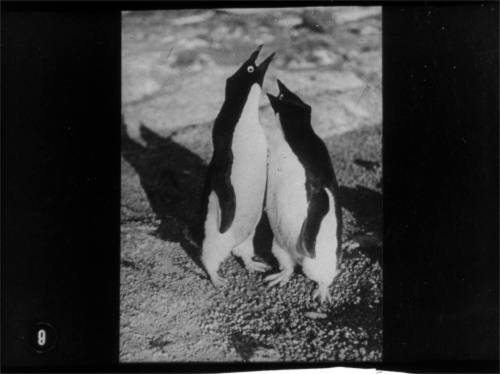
289 106
248 74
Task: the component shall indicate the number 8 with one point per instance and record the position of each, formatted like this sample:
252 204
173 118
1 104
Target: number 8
42 337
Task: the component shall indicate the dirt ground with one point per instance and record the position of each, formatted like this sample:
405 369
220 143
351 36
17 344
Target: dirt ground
174 66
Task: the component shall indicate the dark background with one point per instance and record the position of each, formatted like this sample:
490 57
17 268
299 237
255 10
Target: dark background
60 186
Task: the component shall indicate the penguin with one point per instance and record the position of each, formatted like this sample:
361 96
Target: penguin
302 201
236 179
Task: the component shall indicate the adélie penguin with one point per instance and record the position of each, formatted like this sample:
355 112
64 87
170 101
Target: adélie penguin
302 197
236 180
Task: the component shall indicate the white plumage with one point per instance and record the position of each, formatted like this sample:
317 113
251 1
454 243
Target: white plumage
286 206
248 178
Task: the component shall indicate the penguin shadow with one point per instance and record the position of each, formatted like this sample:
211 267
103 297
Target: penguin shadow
172 178
245 346
251 349
366 206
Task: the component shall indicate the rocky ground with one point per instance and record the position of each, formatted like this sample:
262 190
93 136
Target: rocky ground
174 66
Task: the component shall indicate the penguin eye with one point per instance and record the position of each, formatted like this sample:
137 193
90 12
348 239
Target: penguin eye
250 69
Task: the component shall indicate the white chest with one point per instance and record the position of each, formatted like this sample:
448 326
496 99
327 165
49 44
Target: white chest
248 172
248 135
286 194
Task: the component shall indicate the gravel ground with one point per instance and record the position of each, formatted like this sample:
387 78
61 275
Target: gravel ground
174 69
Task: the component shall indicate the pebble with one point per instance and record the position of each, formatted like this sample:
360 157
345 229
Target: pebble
315 315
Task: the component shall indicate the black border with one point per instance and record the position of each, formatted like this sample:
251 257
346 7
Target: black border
73 170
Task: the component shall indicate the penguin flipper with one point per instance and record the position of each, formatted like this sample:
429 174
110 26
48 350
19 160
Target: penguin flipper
317 209
227 203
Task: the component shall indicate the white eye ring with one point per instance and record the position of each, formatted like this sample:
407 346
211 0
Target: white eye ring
250 69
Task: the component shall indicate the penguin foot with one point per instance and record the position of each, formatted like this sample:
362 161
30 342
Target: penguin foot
252 265
218 281
322 294
282 277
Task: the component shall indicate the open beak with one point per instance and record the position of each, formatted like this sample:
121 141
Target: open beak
254 55
262 68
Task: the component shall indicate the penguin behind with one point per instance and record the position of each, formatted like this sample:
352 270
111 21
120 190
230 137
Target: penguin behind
302 197
236 180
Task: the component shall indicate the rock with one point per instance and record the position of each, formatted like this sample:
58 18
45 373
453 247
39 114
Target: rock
353 14
244 11
191 43
300 64
167 39
318 21
324 57
139 87
352 54
264 38
168 112
220 32
290 21
344 81
369 64
356 109
193 19
369 30
202 61
136 79
184 58
315 315
192 60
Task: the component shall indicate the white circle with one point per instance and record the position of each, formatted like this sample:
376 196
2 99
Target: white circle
250 69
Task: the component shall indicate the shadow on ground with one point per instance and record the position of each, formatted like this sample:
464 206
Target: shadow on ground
172 178
366 206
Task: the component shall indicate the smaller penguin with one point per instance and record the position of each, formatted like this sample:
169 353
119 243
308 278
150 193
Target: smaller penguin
302 197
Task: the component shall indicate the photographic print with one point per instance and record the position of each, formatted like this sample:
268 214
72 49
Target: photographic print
251 185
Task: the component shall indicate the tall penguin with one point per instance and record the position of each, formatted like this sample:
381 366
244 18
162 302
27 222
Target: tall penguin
236 180
302 197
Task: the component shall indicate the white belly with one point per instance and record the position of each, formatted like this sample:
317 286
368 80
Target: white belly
286 206
248 172
286 196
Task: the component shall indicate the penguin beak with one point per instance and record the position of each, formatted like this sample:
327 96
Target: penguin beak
288 95
262 68
265 64
254 55
274 102
283 89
